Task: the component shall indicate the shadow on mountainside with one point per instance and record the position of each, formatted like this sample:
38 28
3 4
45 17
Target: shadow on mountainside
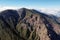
10 20
52 34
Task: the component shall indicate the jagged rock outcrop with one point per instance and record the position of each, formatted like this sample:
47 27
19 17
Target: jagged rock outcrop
25 24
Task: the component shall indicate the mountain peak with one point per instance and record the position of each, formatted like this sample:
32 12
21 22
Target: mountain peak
27 24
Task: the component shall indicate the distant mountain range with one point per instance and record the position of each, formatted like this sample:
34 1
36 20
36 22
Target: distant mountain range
28 24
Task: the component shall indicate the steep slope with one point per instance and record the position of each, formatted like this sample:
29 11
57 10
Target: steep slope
25 24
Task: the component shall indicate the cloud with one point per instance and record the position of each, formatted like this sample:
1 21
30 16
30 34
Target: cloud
7 7
49 10
44 10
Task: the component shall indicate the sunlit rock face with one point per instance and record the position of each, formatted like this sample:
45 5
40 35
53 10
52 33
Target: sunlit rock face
28 24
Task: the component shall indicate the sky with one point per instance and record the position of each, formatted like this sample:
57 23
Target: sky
31 4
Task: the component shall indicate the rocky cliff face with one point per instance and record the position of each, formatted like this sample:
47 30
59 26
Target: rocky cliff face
25 24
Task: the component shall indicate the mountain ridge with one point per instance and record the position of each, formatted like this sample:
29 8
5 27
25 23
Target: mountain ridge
26 24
